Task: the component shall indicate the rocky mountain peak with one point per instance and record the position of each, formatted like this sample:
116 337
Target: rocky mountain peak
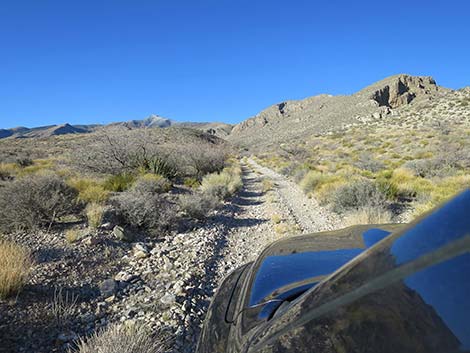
402 89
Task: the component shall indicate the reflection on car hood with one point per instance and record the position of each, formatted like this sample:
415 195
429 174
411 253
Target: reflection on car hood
279 274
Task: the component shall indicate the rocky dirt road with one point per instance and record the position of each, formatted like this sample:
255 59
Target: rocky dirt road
253 219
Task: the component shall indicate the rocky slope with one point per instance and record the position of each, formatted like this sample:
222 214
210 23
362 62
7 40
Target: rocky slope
315 115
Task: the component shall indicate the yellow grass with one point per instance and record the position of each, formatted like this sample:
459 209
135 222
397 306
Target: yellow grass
89 190
94 214
15 265
367 216
72 235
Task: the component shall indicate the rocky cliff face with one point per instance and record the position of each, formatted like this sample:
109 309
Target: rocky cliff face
295 119
403 89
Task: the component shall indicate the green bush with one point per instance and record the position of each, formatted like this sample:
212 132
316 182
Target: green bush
35 201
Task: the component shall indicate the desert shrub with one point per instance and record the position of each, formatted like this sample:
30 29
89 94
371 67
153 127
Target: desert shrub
89 190
368 215
322 185
367 162
403 184
276 218
442 191
198 205
224 184
94 214
191 182
325 191
15 265
201 158
118 151
428 168
5 174
34 201
123 339
144 210
311 180
63 307
152 183
357 195
119 182
39 166
24 162
299 173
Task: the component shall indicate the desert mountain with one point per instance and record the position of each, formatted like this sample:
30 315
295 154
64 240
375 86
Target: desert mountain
315 115
153 121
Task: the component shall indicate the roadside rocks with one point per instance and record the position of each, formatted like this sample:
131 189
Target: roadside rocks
108 287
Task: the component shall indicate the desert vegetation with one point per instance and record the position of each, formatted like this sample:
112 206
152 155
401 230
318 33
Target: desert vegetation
65 198
377 173
15 265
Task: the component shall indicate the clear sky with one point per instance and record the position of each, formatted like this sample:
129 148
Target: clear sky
97 61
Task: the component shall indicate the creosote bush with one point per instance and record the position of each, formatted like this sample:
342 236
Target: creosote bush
35 201
357 195
123 339
15 266
144 210
198 204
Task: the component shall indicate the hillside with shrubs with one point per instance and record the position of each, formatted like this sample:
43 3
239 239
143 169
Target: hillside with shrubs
385 169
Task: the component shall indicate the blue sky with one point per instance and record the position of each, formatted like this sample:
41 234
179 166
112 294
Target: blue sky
213 60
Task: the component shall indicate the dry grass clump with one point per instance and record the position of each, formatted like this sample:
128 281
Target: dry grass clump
152 183
276 218
224 184
368 215
94 214
89 190
15 266
63 307
121 339
119 182
322 185
72 235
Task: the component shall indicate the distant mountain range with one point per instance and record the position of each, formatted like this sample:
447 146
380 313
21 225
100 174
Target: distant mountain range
153 121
